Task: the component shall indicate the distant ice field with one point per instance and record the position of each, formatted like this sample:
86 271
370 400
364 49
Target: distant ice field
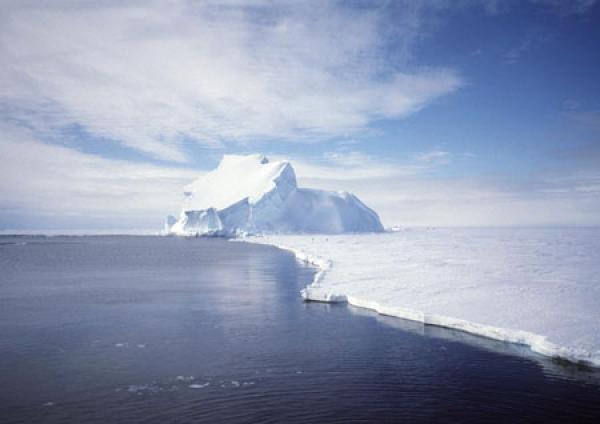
539 287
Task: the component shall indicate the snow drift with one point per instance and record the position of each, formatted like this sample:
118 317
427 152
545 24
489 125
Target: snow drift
250 194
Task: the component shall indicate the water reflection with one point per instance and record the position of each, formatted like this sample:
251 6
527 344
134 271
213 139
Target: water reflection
550 366
150 329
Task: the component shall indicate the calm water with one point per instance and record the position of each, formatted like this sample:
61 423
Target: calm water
149 329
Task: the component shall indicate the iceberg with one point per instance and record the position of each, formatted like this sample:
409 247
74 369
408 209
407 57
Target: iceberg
249 194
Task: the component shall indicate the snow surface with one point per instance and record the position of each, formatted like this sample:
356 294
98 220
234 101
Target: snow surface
538 287
250 194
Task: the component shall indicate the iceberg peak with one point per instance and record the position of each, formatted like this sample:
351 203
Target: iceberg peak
251 194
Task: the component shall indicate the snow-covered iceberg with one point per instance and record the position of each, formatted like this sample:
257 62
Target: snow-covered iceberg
250 194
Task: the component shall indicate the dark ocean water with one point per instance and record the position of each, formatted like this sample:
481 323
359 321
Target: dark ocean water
149 329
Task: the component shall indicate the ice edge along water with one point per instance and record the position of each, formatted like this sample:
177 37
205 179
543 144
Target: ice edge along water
536 342
252 195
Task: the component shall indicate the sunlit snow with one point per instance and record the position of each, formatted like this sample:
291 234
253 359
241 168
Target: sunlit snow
250 194
539 287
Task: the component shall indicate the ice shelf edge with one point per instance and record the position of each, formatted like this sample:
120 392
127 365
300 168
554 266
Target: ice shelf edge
536 342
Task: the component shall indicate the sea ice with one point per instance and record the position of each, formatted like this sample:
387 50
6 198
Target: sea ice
138 388
198 386
538 287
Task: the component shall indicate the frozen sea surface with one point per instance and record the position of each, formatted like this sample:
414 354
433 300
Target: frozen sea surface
539 287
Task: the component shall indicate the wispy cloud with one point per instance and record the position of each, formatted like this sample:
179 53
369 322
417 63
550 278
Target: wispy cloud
46 185
561 8
333 169
421 201
566 8
69 187
588 118
434 156
152 75
407 193
532 40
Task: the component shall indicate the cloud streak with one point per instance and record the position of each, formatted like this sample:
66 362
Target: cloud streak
567 8
406 194
47 186
155 75
63 187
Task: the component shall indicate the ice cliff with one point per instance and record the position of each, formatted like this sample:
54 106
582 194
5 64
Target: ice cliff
250 194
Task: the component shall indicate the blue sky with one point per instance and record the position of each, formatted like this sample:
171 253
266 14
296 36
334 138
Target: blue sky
434 112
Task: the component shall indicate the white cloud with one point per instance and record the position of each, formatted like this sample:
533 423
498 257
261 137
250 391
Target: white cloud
152 75
45 186
475 202
405 194
434 156
334 169
62 184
